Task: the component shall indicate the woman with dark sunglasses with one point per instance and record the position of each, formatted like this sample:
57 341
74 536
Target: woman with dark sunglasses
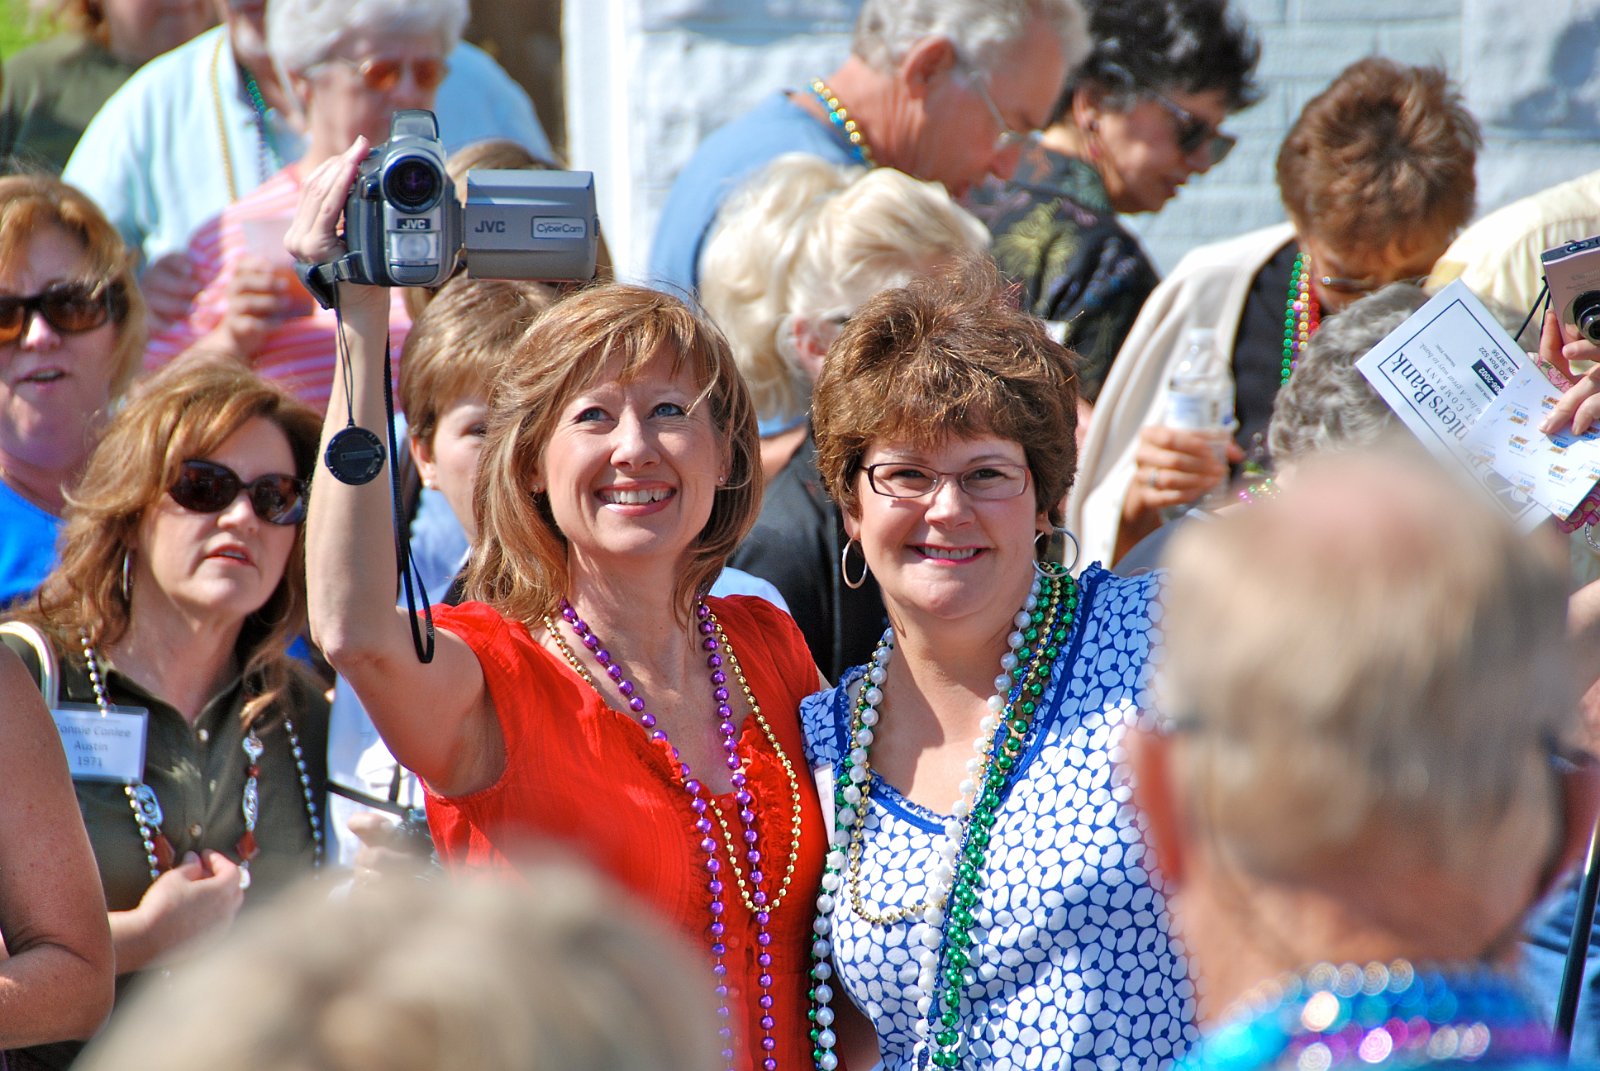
1134 123
71 331
197 750
349 67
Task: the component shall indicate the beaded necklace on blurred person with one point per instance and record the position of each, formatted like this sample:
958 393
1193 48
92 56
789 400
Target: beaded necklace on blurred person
268 161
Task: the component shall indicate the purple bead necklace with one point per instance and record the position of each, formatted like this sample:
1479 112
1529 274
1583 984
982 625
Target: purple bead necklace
704 808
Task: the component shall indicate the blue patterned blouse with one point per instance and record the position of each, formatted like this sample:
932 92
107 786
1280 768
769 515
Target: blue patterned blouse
1075 963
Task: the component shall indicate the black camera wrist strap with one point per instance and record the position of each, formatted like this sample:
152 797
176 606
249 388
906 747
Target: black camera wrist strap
322 280
355 456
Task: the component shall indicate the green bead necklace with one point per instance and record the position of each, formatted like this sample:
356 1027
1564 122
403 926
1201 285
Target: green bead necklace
1301 315
943 940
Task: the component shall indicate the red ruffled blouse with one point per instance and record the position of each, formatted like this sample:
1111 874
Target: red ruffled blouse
586 774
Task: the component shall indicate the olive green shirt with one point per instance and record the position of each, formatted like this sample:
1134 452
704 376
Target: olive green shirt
198 775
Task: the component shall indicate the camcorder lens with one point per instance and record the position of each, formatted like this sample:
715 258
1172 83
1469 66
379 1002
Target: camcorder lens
412 184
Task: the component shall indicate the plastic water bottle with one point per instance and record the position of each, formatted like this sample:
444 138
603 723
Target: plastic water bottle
1200 398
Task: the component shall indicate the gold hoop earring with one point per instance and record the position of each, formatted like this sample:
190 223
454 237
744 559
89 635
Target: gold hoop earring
844 565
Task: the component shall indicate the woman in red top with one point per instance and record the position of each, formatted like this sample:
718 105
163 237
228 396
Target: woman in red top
594 694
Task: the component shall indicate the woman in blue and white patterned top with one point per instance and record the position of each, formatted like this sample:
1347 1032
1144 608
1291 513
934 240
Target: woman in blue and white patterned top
1020 927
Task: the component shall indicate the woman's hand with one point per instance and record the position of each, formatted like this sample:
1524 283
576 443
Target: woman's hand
169 289
257 302
386 851
313 236
200 895
1172 467
1579 407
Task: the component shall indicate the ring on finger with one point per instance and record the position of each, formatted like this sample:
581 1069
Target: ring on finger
1154 479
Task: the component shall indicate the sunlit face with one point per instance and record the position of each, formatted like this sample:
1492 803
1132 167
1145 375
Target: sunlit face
54 386
632 468
341 105
948 554
958 139
449 461
217 566
1355 273
1140 157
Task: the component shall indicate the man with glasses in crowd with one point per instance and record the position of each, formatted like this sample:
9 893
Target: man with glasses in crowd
944 90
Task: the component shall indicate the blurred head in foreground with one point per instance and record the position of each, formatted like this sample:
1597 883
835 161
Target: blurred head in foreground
562 973
1366 680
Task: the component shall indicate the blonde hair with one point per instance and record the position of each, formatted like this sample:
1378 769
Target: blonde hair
558 971
28 204
1374 652
185 411
806 238
520 564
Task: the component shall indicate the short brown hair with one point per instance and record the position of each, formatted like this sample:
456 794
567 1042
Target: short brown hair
184 411
947 355
456 346
28 204
520 564
1383 158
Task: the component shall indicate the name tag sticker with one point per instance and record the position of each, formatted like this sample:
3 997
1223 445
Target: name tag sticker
103 747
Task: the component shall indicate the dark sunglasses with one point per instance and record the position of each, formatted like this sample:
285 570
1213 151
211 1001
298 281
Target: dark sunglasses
70 308
207 487
382 74
1194 133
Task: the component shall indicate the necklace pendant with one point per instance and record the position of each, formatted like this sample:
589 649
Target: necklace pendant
161 848
144 798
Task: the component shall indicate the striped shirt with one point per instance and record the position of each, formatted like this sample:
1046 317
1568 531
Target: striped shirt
299 352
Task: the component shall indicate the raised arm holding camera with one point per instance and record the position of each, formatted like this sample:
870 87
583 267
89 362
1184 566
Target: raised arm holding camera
594 694
349 67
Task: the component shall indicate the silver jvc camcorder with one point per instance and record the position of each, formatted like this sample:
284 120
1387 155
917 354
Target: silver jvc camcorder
404 227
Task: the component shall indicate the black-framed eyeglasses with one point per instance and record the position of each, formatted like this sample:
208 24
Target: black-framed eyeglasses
1194 133
998 480
70 308
207 487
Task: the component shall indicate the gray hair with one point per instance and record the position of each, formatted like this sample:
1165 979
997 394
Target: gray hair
1374 653
303 33
806 238
1327 404
980 29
